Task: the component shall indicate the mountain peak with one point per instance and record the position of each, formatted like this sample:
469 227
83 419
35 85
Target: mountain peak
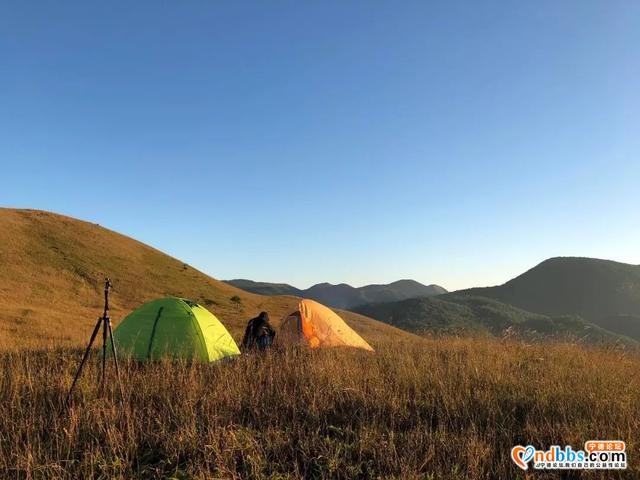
595 289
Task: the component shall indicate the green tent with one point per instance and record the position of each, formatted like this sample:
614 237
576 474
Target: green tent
173 328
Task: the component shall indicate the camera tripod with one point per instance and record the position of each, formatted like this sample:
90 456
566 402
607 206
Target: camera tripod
105 322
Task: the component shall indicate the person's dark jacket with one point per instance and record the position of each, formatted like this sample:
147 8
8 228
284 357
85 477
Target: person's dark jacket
259 334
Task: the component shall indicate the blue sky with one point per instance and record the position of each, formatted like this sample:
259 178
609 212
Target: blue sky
451 142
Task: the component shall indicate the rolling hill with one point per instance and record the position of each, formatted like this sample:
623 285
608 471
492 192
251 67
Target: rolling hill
603 292
265 288
52 273
343 295
461 314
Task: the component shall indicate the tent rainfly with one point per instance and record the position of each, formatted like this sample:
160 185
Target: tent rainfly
317 326
174 328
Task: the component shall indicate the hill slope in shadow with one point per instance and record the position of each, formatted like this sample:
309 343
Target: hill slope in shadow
463 314
603 292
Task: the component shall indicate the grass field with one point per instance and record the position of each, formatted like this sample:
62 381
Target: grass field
431 408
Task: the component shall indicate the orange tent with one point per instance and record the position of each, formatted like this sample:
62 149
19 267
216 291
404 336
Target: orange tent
317 326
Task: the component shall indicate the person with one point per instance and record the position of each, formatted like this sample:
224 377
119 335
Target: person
259 334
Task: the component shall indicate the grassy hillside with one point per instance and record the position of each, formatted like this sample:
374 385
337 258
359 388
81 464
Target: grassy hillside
52 275
437 408
343 295
597 290
454 313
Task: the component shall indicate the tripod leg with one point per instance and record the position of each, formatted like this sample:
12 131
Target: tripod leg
84 359
115 359
104 355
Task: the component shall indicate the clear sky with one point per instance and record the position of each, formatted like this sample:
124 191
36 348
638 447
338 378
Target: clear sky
452 142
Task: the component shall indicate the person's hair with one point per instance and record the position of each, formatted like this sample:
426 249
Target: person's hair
261 320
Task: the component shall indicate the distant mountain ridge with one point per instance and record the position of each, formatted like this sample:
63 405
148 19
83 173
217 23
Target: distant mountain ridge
603 292
264 288
343 295
561 295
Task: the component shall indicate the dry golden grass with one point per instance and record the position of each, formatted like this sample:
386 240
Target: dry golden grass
433 408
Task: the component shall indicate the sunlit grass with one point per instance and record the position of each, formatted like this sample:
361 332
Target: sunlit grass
438 408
